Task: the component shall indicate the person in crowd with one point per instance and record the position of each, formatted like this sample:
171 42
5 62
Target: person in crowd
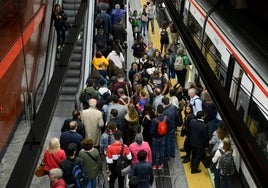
151 15
136 146
132 123
170 112
218 136
157 57
92 163
59 17
88 93
119 31
158 141
199 140
157 99
104 92
144 98
112 153
181 74
195 100
173 99
93 121
123 98
148 115
103 3
117 13
71 136
148 88
135 21
55 177
159 80
80 126
164 37
150 49
186 131
100 41
106 107
143 170
139 48
53 155
221 180
136 81
107 137
100 63
117 57
121 109
144 20
211 112
68 164
133 70
107 23
121 83
181 94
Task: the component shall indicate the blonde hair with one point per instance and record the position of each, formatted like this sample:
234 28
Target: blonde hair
132 112
227 144
54 145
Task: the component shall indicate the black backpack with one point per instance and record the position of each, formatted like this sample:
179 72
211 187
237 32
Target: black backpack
226 163
164 37
99 22
122 163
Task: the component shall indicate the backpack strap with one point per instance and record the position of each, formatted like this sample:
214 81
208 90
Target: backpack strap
94 159
122 150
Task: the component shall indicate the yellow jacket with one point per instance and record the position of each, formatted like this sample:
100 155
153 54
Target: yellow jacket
100 63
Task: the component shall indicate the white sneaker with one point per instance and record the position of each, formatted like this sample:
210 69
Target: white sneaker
59 46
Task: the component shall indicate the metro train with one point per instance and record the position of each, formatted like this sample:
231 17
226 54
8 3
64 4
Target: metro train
238 60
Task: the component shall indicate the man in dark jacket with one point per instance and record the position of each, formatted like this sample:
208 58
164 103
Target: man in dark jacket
170 112
143 170
68 164
80 125
119 31
71 136
199 140
158 141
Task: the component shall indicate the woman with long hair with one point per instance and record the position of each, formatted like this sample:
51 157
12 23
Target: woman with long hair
132 123
147 115
53 155
185 131
60 19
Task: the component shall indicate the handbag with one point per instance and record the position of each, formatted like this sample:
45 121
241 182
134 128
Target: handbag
144 18
40 170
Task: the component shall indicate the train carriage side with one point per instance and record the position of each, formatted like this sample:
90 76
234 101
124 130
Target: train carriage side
240 67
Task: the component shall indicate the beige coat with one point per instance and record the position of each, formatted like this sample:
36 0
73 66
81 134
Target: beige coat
93 121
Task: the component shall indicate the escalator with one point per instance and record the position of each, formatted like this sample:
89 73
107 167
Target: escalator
72 80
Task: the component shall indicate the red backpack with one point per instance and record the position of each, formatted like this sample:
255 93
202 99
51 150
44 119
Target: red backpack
162 127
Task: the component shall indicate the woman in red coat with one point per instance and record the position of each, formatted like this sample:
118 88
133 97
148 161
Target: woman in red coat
53 155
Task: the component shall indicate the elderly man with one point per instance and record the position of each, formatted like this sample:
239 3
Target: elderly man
93 120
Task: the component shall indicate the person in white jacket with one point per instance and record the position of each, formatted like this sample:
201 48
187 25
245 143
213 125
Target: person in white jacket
117 57
219 179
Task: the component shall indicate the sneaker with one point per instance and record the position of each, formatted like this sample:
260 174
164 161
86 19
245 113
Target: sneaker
59 46
154 167
182 149
183 157
160 167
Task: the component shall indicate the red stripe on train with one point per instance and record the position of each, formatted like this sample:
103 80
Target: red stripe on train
13 52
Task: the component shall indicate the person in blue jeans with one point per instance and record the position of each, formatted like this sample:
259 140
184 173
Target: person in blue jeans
170 112
158 141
